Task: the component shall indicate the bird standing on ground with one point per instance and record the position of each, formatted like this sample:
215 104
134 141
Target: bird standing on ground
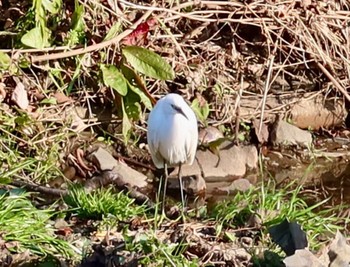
172 136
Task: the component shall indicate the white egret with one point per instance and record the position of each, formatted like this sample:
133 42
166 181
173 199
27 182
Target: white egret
172 136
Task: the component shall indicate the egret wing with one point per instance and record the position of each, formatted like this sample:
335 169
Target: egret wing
153 139
192 137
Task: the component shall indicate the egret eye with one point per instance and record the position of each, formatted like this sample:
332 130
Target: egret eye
179 110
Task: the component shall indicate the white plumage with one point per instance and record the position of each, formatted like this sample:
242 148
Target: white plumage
172 133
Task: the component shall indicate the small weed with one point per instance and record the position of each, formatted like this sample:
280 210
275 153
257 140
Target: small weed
159 253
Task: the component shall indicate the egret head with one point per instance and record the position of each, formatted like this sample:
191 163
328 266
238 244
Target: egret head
174 104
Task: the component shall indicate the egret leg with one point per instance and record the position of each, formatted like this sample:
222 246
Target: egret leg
165 186
181 190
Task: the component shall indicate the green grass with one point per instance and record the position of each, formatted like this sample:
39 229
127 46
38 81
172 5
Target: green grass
27 151
101 202
29 227
273 205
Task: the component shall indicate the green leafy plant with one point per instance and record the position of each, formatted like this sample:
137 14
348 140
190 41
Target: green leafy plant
77 29
148 63
39 36
129 85
201 110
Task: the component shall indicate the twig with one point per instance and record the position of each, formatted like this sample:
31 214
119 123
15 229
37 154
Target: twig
334 81
39 188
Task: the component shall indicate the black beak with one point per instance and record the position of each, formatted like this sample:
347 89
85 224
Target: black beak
179 110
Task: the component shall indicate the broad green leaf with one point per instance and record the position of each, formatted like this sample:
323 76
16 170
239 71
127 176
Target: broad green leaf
144 99
126 124
129 74
5 61
114 78
113 31
7 64
37 37
53 6
148 63
132 105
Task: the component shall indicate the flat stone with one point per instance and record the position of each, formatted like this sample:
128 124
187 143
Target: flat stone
303 258
193 185
233 163
287 134
106 162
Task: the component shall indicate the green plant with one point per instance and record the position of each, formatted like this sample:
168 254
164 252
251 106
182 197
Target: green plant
201 109
27 227
129 85
101 202
23 148
157 253
39 36
273 205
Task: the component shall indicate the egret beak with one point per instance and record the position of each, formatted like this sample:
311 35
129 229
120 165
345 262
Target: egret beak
179 110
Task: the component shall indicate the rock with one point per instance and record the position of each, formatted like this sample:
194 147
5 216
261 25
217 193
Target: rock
303 258
306 110
106 161
263 134
193 185
318 111
338 255
339 251
239 185
284 133
232 163
209 134
218 172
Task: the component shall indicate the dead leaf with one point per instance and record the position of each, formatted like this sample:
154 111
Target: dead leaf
61 98
139 35
20 96
67 231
